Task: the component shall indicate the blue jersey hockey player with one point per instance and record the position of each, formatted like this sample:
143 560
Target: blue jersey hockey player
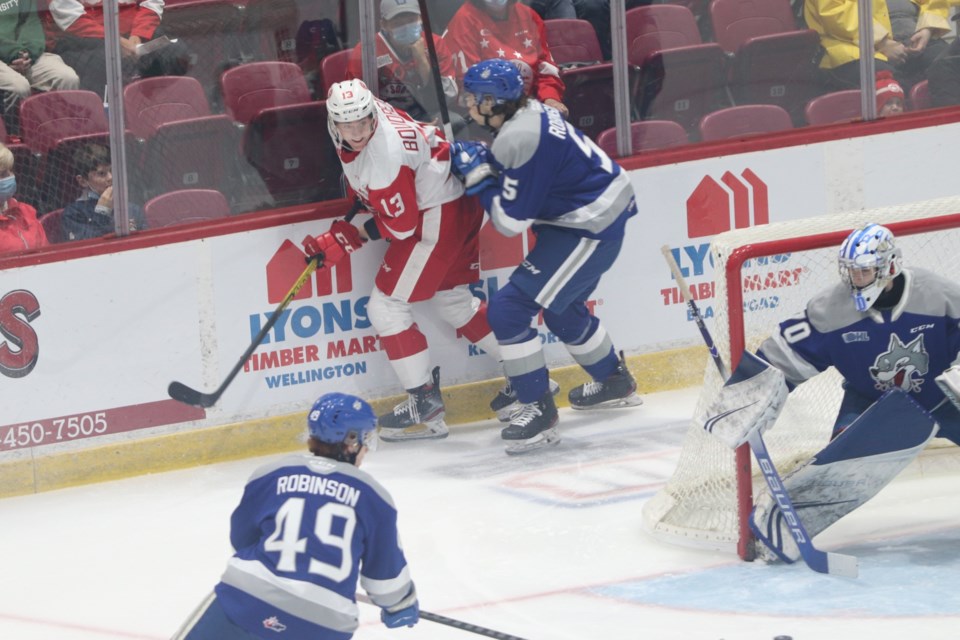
307 528
899 332
542 172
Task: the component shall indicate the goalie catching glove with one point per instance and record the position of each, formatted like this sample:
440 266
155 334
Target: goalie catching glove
751 400
470 162
331 247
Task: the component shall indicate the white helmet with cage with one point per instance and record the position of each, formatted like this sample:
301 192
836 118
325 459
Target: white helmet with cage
348 101
869 248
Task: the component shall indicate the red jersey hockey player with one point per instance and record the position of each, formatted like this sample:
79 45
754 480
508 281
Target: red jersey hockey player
400 169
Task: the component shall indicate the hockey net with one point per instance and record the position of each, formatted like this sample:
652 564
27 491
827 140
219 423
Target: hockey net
763 275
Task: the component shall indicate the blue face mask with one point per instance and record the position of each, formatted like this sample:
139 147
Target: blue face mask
407 34
8 187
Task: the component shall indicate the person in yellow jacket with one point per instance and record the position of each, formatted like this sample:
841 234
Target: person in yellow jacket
905 45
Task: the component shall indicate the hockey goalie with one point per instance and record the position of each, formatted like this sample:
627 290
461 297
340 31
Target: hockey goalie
893 334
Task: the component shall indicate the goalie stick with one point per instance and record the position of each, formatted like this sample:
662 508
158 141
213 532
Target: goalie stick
452 622
187 395
820 561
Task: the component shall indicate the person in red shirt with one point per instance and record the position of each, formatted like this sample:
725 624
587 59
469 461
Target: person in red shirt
19 227
405 76
484 29
76 29
400 170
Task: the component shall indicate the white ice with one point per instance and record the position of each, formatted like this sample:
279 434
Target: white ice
544 547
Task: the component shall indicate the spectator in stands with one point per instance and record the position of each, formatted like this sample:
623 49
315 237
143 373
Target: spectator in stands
596 12
483 29
944 75
890 97
25 65
19 227
91 215
76 26
837 23
920 26
403 64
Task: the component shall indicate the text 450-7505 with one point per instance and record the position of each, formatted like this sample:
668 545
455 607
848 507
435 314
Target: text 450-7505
53 430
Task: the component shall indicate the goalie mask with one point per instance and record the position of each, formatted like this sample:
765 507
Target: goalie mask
350 103
345 420
869 259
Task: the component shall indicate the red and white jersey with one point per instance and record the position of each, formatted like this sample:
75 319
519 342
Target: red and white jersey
84 18
474 35
403 170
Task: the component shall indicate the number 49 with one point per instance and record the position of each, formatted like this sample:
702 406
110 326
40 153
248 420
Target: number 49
287 541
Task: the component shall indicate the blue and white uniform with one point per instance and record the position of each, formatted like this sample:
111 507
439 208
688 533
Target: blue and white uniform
307 528
904 345
577 200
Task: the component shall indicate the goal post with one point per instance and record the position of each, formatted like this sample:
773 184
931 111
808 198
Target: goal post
763 275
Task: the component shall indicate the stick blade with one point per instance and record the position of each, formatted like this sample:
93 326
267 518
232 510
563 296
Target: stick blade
182 393
839 564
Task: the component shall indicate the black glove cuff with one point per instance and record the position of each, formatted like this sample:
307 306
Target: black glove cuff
370 226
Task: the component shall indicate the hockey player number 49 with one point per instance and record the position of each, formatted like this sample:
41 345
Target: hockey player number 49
287 541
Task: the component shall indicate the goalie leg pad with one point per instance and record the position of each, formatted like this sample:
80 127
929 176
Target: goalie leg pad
846 473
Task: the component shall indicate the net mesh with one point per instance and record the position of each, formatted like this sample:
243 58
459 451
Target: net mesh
783 266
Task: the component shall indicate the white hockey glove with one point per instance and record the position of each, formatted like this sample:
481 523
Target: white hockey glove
949 383
751 400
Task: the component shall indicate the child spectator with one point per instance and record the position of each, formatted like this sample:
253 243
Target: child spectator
19 227
91 215
889 95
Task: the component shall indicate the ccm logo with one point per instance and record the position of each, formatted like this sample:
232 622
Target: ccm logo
21 349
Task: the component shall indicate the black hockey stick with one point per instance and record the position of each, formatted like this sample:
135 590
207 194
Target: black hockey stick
456 624
435 67
187 395
820 561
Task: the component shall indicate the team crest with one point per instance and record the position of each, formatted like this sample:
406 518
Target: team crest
902 366
274 625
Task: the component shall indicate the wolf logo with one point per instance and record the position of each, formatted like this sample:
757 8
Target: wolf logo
902 365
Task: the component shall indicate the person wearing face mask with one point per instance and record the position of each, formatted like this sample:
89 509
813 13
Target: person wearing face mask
405 77
19 227
483 29
91 215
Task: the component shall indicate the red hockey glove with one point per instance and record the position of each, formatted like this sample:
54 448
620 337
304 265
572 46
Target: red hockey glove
331 247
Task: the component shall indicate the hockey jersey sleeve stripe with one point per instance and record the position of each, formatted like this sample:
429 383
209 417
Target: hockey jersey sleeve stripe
602 212
504 223
302 599
780 354
387 593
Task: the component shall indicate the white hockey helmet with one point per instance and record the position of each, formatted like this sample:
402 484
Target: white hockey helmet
348 101
871 247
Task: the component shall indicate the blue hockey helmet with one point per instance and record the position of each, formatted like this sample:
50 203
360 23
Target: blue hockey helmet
868 260
340 418
496 78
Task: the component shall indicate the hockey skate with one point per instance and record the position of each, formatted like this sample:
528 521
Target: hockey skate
618 390
505 404
774 542
532 426
419 417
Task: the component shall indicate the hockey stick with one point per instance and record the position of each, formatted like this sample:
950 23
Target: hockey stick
451 622
187 395
820 561
435 67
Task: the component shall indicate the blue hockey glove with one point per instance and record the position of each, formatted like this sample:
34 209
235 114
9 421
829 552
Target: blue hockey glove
406 617
471 163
